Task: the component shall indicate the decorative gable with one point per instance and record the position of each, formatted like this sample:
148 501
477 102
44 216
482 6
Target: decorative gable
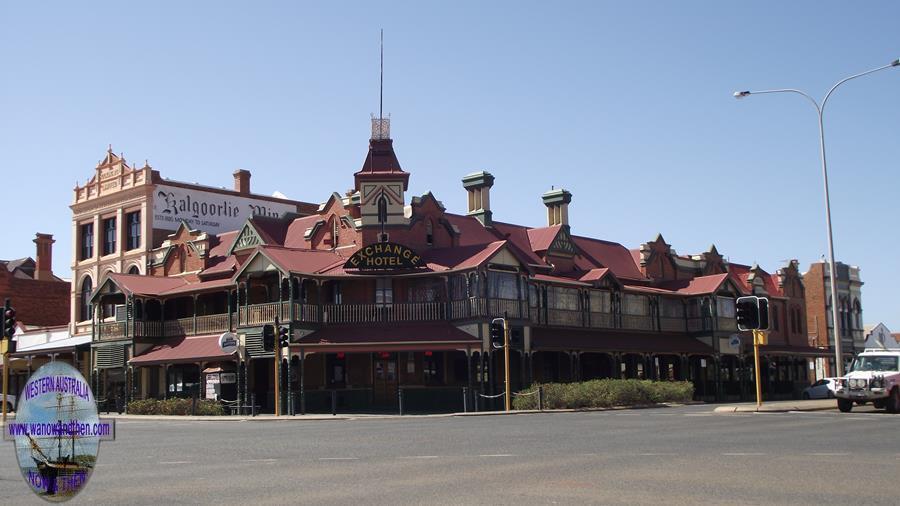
247 238
562 244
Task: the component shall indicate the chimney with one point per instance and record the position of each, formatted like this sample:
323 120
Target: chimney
43 270
242 181
479 184
557 202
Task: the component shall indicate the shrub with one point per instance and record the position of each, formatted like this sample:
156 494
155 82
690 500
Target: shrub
176 406
605 393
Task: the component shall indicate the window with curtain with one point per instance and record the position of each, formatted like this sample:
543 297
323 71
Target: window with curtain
87 286
425 290
725 307
671 308
134 230
384 292
87 241
109 236
503 285
637 305
600 301
563 298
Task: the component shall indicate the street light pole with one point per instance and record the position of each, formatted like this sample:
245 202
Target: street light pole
838 358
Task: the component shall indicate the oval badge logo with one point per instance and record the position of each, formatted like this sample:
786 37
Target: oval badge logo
57 432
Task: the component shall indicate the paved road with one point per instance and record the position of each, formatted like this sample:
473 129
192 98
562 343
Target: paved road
683 455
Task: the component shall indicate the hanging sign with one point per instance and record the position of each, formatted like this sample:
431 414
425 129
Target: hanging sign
228 343
384 256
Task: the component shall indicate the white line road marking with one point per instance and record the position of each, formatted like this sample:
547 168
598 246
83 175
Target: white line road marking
339 458
830 454
260 460
420 457
498 455
742 454
655 454
176 462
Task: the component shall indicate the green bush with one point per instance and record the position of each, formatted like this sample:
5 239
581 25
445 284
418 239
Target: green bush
176 406
605 393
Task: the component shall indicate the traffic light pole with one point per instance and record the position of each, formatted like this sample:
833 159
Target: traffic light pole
277 368
757 337
506 360
5 381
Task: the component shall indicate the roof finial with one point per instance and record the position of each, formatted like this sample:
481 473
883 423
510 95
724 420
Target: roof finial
109 149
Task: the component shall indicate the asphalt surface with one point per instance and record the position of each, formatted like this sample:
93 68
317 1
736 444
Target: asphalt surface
682 455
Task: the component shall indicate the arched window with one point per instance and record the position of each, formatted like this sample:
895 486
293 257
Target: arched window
429 233
335 233
382 209
87 287
134 270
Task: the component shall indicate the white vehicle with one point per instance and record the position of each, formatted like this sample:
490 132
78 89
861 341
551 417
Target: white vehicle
10 402
822 389
874 377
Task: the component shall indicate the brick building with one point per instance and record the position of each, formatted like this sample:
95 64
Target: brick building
39 297
819 315
383 292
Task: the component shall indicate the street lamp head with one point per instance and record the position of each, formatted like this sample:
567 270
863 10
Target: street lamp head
741 94
895 63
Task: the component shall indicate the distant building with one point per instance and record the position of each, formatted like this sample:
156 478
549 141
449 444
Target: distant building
819 315
39 297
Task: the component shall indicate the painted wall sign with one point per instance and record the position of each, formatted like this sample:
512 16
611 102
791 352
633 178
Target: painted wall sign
208 211
384 256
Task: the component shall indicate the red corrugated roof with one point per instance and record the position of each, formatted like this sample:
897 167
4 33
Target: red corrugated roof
135 284
187 349
542 238
696 286
559 279
609 254
594 275
419 333
297 229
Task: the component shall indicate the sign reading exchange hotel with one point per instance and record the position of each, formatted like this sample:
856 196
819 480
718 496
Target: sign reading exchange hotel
382 256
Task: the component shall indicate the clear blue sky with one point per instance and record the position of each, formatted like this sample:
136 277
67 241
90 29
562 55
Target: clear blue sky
626 104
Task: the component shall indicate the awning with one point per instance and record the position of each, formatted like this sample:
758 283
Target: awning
186 349
605 341
800 351
66 345
413 337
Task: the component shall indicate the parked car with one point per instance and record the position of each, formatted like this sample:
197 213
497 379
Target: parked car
874 377
822 389
10 403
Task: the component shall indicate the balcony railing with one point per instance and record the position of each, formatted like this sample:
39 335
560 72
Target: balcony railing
601 320
565 317
370 313
726 323
671 324
636 322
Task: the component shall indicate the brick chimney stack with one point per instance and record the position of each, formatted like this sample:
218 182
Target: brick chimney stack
478 185
242 181
557 202
43 270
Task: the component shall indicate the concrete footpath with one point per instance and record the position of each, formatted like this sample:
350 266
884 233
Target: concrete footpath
778 406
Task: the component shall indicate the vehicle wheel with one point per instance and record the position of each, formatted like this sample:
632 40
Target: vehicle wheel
892 403
845 405
879 404
805 396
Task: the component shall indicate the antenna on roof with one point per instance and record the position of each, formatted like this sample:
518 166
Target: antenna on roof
381 82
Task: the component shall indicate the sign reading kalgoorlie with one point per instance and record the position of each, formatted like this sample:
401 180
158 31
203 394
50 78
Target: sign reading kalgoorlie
57 432
384 256
209 211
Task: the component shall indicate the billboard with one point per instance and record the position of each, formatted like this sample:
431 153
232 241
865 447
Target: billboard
208 211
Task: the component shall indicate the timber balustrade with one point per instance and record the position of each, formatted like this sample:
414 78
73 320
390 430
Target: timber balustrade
465 309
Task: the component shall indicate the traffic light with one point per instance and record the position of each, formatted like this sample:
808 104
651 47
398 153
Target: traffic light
517 338
497 331
752 313
268 338
763 313
747 312
284 336
9 320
